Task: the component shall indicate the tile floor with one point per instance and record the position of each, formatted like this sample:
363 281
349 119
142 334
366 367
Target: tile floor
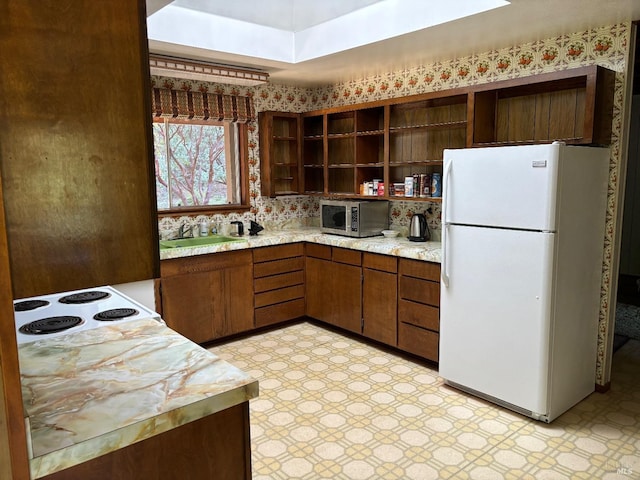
331 406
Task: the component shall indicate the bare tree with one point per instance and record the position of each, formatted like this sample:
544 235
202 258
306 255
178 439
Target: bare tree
197 164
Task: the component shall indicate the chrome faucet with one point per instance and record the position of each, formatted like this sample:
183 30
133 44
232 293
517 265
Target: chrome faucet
184 231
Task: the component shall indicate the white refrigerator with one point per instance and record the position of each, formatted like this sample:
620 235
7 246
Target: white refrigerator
522 250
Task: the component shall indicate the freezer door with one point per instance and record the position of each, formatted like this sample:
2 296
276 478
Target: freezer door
511 187
495 313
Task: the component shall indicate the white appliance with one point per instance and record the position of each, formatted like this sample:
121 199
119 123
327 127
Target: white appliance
522 250
56 314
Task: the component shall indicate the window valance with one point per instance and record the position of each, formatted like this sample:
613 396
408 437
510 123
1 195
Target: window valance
201 105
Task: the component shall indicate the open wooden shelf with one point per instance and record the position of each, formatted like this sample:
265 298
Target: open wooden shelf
574 106
340 148
280 170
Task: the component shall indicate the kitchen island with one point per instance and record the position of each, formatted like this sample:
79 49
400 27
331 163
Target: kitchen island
130 400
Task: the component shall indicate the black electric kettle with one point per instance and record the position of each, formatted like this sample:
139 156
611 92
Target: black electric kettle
419 230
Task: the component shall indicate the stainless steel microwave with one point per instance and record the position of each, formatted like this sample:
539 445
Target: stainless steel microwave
354 218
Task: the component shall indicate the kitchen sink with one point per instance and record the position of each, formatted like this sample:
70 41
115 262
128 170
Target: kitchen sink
198 241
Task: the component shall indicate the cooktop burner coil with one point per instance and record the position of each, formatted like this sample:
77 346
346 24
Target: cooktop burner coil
27 305
50 325
84 297
115 314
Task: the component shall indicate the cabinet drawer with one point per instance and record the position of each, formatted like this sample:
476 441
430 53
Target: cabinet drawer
279 296
205 263
418 269
280 312
274 282
420 315
418 290
278 252
384 263
418 341
343 255
276 267
318 251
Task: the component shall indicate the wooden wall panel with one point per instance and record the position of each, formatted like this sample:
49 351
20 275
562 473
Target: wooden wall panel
75 145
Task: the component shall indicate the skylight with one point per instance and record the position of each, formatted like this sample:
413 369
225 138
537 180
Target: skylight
202 28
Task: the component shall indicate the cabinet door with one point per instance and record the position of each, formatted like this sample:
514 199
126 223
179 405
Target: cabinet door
379 300
237 302
208 296
318 280
188 305
334 293
345 302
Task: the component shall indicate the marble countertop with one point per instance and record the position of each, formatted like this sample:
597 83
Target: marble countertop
95 391
398 246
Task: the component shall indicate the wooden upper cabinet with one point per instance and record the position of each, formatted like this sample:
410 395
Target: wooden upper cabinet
280 166
313 153
76 149
574 106
369 151
342 148
419 132
341 152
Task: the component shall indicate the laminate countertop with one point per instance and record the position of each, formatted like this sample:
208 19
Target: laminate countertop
95 391
398 246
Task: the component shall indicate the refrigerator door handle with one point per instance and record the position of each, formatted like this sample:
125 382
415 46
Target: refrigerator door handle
445 193
446 185
443 259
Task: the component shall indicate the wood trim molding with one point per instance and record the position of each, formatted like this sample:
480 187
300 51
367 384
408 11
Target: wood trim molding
14 462
603 388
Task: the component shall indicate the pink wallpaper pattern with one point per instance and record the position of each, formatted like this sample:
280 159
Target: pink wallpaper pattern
606 46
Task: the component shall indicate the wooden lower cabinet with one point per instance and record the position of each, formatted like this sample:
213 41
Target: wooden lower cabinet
419 308
392 300
346 298
380 298
317 272
334 286
206 297
216 446
418 341
278 283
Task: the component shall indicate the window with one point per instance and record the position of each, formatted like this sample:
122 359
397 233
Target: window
200 166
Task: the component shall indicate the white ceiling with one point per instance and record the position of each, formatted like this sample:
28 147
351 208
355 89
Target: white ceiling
328 25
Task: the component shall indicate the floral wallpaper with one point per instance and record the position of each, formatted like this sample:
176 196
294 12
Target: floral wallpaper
606 46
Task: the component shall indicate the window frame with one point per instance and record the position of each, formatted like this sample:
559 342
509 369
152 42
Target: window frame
243 160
